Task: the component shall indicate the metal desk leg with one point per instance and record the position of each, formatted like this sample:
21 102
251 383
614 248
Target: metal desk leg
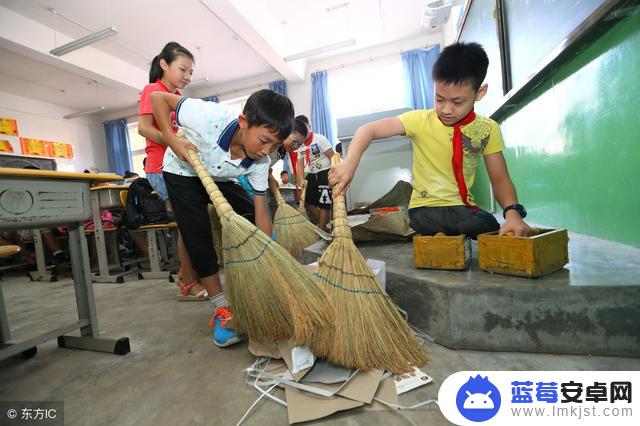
41 273
154 259
5 334
101 249
85 301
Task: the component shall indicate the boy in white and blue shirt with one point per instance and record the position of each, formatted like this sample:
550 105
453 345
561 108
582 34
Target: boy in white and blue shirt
230 146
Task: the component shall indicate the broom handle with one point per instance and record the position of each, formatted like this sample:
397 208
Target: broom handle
223 208
341 227
279 197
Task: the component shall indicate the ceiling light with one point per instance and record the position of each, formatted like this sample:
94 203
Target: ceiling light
81 113
321 49
84 41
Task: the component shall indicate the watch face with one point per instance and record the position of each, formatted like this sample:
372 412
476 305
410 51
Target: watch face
520 209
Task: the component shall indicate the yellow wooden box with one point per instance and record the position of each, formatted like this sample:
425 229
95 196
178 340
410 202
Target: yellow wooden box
442 252
531 257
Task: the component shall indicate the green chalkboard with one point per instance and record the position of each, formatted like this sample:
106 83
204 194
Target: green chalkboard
535 28
481 26
572 146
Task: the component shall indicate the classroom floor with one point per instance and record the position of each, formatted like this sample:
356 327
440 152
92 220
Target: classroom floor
175 375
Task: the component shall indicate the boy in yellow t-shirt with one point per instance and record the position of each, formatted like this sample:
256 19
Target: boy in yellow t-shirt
448 142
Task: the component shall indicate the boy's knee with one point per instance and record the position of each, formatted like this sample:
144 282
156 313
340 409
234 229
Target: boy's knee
479 223
423 224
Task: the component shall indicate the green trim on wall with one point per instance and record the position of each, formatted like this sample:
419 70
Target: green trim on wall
573 145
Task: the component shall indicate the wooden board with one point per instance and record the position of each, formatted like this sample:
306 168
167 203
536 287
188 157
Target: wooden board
49 174
530 257
441 252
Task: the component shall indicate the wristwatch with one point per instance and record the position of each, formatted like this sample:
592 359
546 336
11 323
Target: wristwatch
517 207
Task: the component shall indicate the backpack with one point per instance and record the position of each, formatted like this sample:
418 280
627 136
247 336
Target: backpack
143 208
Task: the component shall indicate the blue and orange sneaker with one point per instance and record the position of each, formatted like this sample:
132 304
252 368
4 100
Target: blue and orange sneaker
222 335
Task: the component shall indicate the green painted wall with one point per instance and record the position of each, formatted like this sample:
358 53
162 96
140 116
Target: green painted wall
573 147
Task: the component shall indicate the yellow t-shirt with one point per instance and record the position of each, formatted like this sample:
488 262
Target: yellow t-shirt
433 181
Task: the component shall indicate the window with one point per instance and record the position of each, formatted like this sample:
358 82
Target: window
236 104
137 144
366 88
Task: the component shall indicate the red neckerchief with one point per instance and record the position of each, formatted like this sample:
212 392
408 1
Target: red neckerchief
307 157
456 160
294 160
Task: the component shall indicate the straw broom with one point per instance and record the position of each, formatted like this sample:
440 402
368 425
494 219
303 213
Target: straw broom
271 296
291 229
216 231
368 331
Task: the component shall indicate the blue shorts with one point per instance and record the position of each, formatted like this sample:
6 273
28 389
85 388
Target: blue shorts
157 183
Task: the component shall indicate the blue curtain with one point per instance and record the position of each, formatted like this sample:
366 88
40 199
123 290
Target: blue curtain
279 86
118 151
321 117
417 65
213 98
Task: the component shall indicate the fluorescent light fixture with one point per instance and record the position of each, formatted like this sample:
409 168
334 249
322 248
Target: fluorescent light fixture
84 41
321 49
81 113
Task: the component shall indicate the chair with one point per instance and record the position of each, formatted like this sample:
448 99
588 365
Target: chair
152 245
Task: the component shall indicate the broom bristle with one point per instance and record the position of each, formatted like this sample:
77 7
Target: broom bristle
216 231
271 295
368 330
291 229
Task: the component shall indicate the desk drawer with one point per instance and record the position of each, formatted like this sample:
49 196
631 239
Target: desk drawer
29 203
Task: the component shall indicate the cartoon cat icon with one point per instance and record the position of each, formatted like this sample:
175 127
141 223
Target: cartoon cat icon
480 401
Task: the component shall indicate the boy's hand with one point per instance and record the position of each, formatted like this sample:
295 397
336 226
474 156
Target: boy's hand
340 176
515 224
181 148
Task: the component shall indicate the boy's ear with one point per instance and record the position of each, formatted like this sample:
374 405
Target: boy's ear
242 121
482 91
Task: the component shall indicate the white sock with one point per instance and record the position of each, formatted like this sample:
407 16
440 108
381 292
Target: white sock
219 301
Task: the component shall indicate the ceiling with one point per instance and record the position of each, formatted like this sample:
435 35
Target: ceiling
230 40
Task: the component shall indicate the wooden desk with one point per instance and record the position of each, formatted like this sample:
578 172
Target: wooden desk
35 199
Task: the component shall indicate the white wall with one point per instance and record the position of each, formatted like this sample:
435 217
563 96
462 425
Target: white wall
41 120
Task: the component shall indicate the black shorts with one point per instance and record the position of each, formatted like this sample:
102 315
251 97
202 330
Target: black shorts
318 190
189 200
452 220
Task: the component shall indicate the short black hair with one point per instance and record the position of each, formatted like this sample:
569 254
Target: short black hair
461 63
300 127
128 174
303 118
271 109
284 172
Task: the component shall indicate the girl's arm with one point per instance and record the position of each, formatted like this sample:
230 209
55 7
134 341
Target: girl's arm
163 103
146 129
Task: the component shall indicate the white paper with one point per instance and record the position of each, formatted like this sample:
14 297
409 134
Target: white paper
301 358
379 270
408 381
325 372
